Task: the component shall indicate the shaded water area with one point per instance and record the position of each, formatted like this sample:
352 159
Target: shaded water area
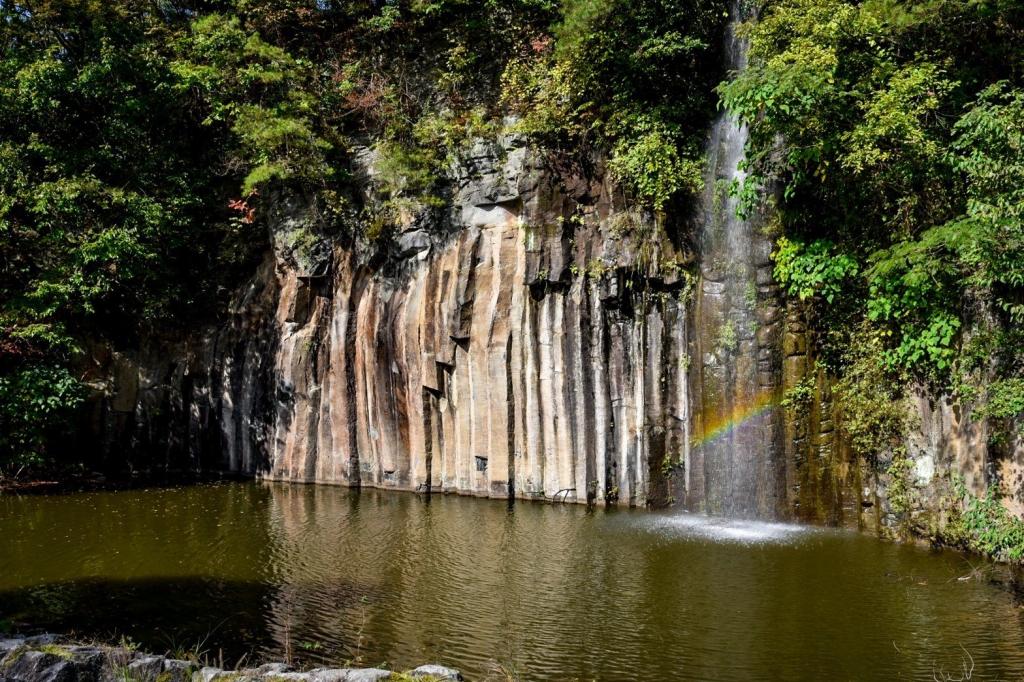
327 574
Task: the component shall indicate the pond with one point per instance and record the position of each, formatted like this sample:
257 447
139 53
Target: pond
321 574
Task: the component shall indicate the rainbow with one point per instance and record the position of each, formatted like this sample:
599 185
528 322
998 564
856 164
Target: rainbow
720 424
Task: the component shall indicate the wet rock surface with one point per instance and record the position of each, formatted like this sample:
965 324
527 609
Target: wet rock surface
44 659
737 468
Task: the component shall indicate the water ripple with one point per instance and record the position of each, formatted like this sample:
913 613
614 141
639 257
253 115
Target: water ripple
329 576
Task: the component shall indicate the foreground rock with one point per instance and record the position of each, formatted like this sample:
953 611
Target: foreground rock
44 659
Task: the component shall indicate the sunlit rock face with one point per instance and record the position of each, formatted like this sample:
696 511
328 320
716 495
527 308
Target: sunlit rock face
531 341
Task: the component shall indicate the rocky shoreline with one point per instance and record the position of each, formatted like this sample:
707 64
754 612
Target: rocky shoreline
47 658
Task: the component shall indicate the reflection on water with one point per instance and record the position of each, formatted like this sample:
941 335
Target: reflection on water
555 591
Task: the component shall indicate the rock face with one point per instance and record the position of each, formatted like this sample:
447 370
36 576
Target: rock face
829 483
530 341
737 447
948 440
474 363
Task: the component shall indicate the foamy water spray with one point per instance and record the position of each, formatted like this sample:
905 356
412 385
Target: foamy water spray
732 464
739 531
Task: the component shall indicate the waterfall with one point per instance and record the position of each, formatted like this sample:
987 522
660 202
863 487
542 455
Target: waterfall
736 368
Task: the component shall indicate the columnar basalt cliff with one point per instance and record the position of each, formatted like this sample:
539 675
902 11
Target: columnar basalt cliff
537 339
530 342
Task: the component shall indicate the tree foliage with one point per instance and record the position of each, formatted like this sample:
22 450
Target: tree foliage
632 77
109 217
893 130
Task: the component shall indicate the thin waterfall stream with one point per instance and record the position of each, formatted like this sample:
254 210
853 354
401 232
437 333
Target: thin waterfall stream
735 390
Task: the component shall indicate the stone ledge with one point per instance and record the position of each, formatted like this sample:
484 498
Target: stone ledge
44 658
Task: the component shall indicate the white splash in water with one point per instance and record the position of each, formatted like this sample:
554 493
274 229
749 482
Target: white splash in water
717 529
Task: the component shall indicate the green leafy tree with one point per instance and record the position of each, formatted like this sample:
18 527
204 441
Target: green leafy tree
263 94
112 217
632 77
893 130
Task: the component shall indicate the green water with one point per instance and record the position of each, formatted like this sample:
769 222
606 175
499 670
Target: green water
327 575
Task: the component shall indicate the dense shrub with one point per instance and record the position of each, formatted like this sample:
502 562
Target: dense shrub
895 134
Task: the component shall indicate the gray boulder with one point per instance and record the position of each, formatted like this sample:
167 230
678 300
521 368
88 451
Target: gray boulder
438 672
37 666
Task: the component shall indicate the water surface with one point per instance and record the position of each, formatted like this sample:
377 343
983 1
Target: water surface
322 574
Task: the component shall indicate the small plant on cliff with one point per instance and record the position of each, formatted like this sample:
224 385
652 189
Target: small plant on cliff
815 269
750 294
671 464
798 398
596 268
1003 405
875 415
1005 399
728 340
900 489
983 525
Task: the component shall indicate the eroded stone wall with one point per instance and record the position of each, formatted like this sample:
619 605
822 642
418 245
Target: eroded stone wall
947 441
